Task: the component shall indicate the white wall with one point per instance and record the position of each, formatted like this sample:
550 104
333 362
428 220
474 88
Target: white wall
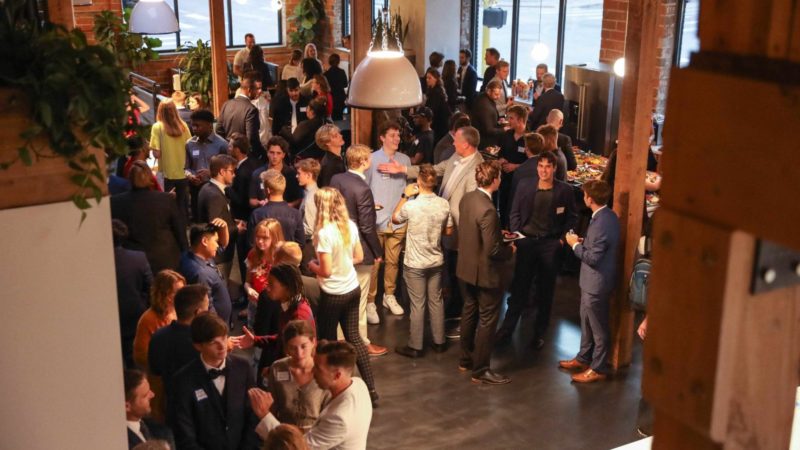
61 385
435 26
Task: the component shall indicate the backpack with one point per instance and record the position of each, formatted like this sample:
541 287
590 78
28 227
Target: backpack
637 289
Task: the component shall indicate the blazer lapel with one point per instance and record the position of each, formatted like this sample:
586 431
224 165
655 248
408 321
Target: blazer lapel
211 391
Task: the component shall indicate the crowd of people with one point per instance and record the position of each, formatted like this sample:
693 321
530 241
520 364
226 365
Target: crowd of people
468 203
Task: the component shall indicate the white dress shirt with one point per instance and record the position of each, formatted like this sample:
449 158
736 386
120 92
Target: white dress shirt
136 427
294 114
219 382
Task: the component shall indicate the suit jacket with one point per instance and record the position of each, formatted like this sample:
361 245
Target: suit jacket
481 244
548 101
303 135
484 118
436 100
212 203
564 214
282 112
525 171
204 419
154 226
156 431
239 115
469 85
361 208
565 144
445 142
488 75
239 192
598 253
331 165
134 279
170 349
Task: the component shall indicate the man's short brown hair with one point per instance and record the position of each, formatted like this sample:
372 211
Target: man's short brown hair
310 166
598 190
500 64
206 327
487 172
519 111
494 84
140 175
274 181
339 354
240 141
219 162
132 379
357 154
549 133
534 143
390 125
427 176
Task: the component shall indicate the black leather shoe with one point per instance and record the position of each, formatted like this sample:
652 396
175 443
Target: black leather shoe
453 333
489 377
439 348
408 351
373 395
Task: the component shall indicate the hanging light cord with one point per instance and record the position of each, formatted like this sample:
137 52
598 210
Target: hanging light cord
540 20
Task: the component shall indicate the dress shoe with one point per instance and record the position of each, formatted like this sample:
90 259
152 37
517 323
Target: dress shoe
373 395
573 364
439 348
489 377
588 376
408 351
464 366
376 350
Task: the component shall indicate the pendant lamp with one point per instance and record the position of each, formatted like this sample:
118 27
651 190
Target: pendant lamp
540 50
153 17
385 79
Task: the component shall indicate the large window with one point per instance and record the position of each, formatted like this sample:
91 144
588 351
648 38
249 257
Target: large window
538 26
686 40
582 28
499 38
377 7
241 17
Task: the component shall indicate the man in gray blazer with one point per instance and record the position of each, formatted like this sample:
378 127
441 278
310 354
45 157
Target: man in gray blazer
598 255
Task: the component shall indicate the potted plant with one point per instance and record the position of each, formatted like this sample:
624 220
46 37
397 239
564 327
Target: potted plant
63 106
195 70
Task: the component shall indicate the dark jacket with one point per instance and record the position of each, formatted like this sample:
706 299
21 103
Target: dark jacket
484 117
337 79
598 253
212 203
291 220
443 144
154 226
451 89
204 419
480 242
437 101
330 166
155 431
303 135
281 110
564 214
565 144
488 75
239 192
548 101
361 208
134 279
240 116
525 171
170 350
469 85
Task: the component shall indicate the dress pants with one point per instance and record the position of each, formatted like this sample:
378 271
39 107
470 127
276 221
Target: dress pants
424 286
595 334
537 263
392 243
364 275
181 196
478 322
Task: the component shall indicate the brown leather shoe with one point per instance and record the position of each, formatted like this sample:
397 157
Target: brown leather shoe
376 350
573 364
589 376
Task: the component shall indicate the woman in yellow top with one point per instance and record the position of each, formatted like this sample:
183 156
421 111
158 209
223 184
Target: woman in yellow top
168 138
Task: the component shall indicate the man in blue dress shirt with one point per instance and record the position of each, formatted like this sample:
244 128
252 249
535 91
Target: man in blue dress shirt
198 266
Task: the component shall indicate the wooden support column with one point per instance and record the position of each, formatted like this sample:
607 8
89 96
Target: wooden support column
641 45
219 58
61 12
361 25
721 363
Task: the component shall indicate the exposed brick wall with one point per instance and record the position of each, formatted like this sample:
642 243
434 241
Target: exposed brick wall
84 15
612 38
667 19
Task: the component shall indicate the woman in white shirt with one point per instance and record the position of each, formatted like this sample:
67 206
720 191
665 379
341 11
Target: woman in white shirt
338 249
293 69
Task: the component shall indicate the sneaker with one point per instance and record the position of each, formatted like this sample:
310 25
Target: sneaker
372 314
390 302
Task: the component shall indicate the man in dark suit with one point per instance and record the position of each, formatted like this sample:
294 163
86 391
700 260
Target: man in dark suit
542 211
210 406
240 116
482 249
361 208
485 117
598 255
564 142
133 288
239 192
301 137
550 99
445 148
491 57
290 218
534 144
154 224
212 203
467 77
137 408
290 109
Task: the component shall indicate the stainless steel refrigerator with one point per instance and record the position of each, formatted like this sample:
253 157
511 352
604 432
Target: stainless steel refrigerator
592 94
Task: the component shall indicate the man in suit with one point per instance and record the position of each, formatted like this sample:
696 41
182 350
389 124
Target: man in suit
361 208
198 266
212 203
154 224
467 77
277 154
210 405
137 407
239 192
204 145
290 218
290 109
550 99
479 274
240 116
564 142
502 68
485 116
534 144
550 135
543 211
490 57
133 288
171 346
598 255
301 137
444 149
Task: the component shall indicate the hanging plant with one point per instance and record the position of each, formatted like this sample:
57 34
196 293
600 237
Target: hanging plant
196 69
131 49
307 19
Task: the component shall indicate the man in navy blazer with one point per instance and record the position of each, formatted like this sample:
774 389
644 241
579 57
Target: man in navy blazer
213 203
209 405
598 255
137 407
467 77
543 211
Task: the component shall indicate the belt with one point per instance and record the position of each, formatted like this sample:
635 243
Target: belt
540 237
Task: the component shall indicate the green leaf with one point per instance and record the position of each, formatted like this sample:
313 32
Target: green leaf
25 156
31 132
80 201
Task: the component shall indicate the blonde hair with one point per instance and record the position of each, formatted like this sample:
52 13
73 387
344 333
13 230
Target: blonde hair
167 114
274 181
285 437
324 135
310 166
331 208
275 233
357 154
288 252
162 289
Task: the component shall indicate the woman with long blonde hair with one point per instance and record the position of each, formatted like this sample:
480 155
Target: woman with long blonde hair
168 138
338 248
266 237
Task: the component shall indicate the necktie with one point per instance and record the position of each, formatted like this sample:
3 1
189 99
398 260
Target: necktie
145 431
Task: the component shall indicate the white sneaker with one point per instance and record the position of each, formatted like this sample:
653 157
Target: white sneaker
390 302
372 314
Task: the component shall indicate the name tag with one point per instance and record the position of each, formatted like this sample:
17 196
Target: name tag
195 152
200 395
521 149
303 108
560 210
282 376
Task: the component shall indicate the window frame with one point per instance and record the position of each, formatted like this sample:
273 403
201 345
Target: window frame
680 21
